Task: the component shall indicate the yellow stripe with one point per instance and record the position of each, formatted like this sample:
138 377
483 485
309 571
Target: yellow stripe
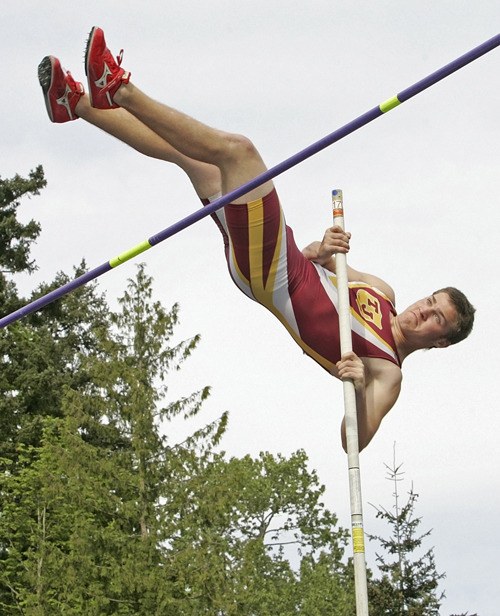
273 270
255 210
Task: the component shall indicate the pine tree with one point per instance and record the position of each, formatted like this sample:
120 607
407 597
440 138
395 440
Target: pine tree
409 582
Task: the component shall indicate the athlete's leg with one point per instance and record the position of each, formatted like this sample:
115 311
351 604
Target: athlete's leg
235 155
124 126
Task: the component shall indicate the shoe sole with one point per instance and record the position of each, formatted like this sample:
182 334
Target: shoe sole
87 48
45 69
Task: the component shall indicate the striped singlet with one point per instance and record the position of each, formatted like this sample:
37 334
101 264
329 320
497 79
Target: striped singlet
266 265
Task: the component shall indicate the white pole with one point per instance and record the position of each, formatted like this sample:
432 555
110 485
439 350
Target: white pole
351 421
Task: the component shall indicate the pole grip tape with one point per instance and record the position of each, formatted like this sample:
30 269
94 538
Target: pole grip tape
358 540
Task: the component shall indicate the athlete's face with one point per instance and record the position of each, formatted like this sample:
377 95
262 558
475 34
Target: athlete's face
428 321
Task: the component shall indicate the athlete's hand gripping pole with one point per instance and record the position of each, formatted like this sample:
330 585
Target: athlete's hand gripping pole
351 421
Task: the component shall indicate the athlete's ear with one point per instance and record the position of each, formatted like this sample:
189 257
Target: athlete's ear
442 343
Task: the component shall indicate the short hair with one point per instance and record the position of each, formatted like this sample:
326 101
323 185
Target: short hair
465 314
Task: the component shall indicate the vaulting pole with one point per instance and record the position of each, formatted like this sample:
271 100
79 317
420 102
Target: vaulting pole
316 147
351 421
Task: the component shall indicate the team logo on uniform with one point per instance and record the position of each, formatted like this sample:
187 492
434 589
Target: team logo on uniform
369 307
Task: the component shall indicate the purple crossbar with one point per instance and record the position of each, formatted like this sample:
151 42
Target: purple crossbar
280 168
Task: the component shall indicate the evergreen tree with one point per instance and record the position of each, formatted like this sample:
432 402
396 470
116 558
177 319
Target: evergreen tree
15 237
409 583
97 480
37 361
39 355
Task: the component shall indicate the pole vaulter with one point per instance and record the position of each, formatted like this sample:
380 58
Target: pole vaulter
371 340
273 172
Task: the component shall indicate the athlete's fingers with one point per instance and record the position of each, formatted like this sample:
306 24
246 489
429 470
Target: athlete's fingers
350 355
351 367
337 239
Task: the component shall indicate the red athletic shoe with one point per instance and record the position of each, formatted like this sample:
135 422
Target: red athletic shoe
104 75
60 91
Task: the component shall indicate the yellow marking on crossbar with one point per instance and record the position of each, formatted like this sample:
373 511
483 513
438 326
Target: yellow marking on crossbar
129 254
389 104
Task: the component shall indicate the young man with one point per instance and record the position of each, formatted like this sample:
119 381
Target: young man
299 288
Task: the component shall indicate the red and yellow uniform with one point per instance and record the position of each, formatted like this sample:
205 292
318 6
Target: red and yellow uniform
266 264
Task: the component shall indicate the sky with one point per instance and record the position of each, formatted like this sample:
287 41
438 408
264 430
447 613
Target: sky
421 194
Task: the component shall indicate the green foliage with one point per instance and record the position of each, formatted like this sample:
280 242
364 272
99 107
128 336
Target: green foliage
93 473
15 237
41 356
245 521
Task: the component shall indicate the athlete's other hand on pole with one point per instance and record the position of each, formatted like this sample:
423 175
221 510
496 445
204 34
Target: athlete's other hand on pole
335 240
351 367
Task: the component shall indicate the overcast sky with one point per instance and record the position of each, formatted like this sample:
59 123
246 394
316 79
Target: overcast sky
421 190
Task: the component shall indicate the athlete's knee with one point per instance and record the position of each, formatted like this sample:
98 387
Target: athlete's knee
238 148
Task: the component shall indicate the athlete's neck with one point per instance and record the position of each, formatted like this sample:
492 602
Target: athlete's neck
402 344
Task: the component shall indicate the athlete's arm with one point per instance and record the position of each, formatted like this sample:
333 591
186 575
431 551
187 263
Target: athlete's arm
377 386
336 240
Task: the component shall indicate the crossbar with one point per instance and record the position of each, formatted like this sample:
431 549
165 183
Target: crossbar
269 174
